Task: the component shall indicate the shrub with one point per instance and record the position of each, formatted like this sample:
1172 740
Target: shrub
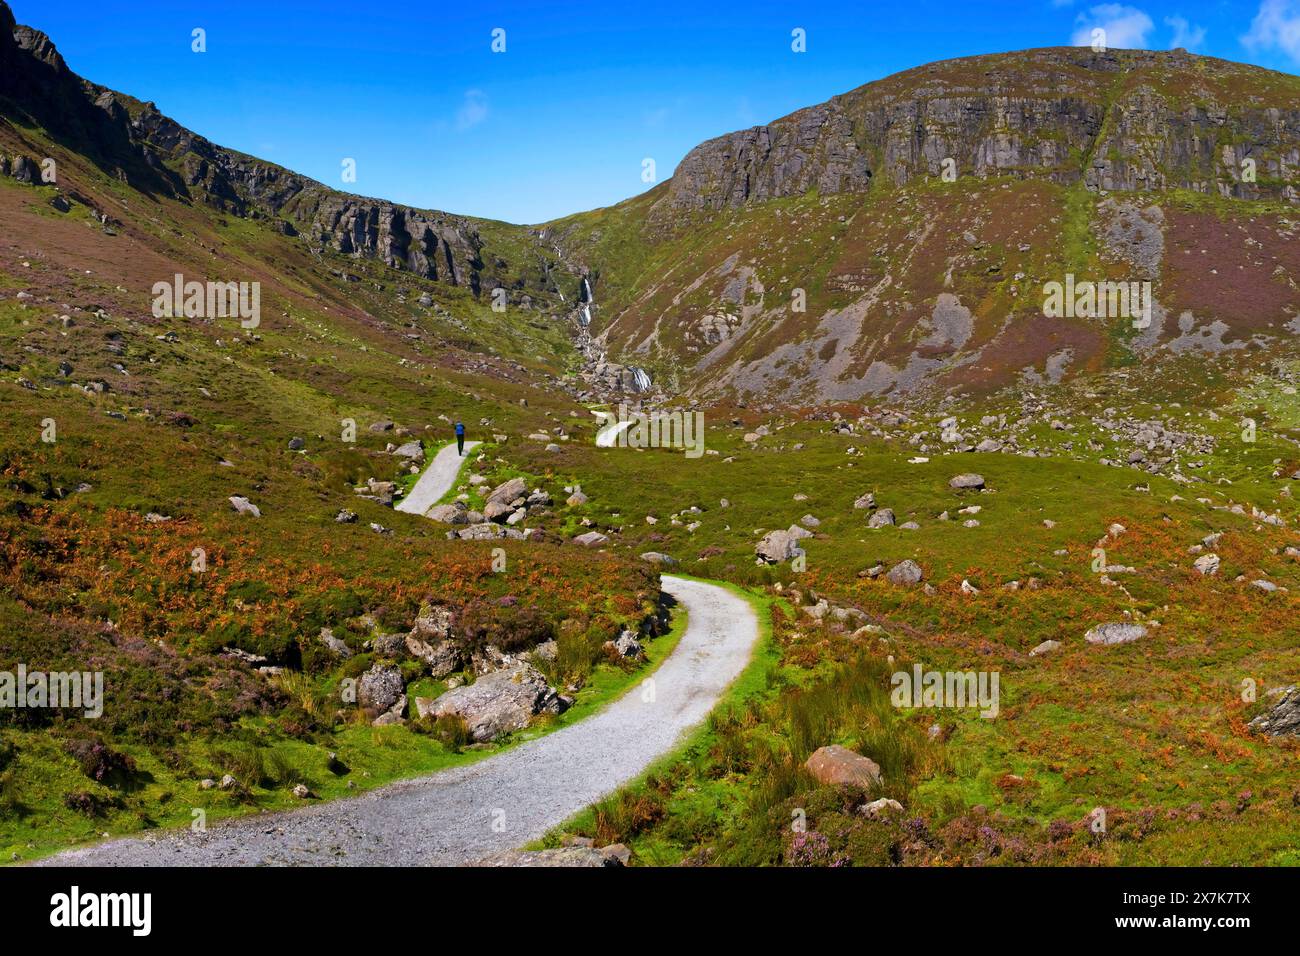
100 762
449 730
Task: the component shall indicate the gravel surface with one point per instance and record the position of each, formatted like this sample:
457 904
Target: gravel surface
463 814
436 480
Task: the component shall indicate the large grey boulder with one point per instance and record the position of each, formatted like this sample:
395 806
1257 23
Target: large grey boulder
433 623
454 513
1283 718
777 546
380 688
905 572
966 482
1118 633
411 451
507 492
881 519
658 557
499 702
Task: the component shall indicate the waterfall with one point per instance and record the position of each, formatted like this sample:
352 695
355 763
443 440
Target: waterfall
586 291
585 319
640 379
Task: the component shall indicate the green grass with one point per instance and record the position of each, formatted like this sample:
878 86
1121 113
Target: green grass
375 757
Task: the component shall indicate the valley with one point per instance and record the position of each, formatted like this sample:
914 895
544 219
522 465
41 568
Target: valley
985 368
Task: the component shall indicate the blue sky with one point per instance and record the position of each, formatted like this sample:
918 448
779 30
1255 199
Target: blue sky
584 92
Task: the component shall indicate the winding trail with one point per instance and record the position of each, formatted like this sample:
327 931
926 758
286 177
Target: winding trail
436 480
466 813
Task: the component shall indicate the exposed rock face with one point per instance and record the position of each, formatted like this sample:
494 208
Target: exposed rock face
811 149
1030 114
132 141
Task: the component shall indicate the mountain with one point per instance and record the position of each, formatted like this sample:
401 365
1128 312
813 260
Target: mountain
915 449
1120 166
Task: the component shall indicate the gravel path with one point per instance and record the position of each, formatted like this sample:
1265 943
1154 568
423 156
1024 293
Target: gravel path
463 814
436 480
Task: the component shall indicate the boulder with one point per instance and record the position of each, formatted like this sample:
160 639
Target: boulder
905 572
454 513
1118 633
557 856
576 499
486 531
1044 648
591 539
627 644
380 688
433 623
508 491
1207 564
881 519
658 557
776 546
880 808
335 645
442 657
497 511
839 766
389 645
499 702
411 451
1283 718
966 482
866 501
244 506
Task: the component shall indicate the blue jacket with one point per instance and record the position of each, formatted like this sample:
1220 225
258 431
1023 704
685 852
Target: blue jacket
460 428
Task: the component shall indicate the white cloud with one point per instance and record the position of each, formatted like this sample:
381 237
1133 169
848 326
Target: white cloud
1276 27
473 111
1185 35
1126 27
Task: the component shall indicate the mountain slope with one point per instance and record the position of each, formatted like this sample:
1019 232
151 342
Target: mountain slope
1122 166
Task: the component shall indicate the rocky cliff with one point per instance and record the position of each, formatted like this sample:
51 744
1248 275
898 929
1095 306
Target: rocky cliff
1120 120
138 144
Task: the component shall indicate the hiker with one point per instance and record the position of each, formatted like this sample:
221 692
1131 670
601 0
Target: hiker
460 439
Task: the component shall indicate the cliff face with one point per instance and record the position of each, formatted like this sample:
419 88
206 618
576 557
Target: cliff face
1123 120
812 149
138 144
430 244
